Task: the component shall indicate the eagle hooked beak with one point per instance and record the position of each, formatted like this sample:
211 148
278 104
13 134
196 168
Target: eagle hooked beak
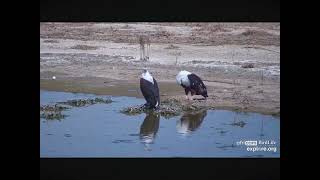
144 70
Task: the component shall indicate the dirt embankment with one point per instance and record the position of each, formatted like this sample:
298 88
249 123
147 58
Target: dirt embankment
265 34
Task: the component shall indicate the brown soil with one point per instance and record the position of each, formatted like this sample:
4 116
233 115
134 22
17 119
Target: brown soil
103 58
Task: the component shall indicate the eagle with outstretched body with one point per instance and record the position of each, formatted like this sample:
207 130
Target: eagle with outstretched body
150 90
191 83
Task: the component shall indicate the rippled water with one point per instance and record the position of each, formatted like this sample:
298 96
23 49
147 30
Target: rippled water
100 130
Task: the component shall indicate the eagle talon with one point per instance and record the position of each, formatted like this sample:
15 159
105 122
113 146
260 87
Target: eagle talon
157 109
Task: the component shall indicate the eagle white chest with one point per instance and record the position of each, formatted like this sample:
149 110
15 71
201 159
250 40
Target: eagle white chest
182 78
147 76
182 127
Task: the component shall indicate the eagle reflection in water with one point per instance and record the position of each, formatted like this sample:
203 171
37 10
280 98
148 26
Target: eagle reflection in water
190 121
149 128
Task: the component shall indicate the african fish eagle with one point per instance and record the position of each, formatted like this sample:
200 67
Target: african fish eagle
150 90
191 83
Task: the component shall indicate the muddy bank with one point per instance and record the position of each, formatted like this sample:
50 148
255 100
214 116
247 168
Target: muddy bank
239 62
254 98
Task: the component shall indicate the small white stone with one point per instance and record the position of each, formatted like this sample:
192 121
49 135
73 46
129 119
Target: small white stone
53 77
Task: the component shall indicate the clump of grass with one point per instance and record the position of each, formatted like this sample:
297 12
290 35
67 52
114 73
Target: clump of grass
171 46
51 41
168 108
164 110
133 110
248 65
277 114
218 28
52 115
171 102
163 33
262 78
126 26
239 123
236 94
212 28
245 101
54 107
195 62
85 102
250 32
191 107
84 47
242 98
51 112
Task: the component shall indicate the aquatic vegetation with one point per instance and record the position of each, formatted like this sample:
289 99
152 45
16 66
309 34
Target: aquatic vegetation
240 124
168 108
54 107
50 112
54 111
85 102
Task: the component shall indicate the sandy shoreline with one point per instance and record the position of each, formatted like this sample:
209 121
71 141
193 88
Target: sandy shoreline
104 59
220 97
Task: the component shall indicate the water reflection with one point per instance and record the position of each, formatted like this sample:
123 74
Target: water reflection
149 128
118 135
261 130
191 121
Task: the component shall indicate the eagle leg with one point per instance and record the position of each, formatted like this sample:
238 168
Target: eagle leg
186 90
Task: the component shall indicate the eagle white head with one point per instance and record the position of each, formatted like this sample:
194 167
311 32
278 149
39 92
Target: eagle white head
147 76
182 78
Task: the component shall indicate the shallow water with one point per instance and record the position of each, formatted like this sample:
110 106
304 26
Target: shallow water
100 130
